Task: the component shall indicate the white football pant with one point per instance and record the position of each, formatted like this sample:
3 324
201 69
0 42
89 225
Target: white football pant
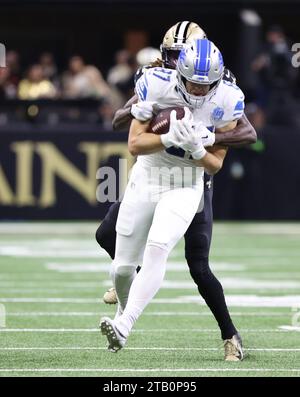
151 220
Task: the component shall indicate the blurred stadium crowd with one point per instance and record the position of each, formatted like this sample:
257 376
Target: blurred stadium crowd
80 84
273 97
80 92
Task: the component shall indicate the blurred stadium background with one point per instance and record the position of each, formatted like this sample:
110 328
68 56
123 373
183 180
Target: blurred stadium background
70 65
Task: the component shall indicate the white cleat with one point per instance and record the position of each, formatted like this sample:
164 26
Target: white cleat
110 297
115 339
233 348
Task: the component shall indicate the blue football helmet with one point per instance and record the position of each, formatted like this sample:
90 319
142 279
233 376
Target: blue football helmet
199 62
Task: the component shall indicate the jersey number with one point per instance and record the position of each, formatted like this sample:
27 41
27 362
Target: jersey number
162 74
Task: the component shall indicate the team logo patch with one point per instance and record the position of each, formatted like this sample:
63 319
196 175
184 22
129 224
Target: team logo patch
217 114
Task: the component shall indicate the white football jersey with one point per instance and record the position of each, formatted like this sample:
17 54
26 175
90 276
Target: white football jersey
223 106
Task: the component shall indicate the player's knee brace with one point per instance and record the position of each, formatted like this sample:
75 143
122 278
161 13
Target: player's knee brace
123 269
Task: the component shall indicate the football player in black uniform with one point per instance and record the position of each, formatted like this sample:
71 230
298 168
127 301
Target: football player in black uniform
198 235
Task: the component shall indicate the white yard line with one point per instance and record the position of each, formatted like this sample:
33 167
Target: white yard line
172 370
50 291
89 228
232 300
36 252
170 314
13 279
175 266
61 228
39 284
50 300
155 330
228 283
146 348
88 250
259 254
58 314
290 328
19 276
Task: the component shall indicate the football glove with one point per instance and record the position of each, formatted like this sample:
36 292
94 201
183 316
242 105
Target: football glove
177 129
142 111
190 138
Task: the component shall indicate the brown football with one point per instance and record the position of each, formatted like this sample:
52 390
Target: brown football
160 124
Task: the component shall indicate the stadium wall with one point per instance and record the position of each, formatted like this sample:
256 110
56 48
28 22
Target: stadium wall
52 175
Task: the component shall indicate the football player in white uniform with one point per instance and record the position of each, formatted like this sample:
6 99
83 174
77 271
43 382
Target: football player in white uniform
153 215
198 235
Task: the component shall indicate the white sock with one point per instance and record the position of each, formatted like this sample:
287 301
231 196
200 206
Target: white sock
144 286
122 277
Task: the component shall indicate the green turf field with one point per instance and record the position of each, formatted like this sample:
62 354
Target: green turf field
52 276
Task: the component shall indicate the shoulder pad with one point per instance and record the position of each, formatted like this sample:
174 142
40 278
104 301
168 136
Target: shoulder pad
232 104
153 84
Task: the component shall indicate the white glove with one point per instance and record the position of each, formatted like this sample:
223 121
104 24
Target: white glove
208 137
142 111
193 143
177 128
190 139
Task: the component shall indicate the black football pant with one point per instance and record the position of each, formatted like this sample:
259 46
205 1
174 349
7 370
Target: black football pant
197 245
